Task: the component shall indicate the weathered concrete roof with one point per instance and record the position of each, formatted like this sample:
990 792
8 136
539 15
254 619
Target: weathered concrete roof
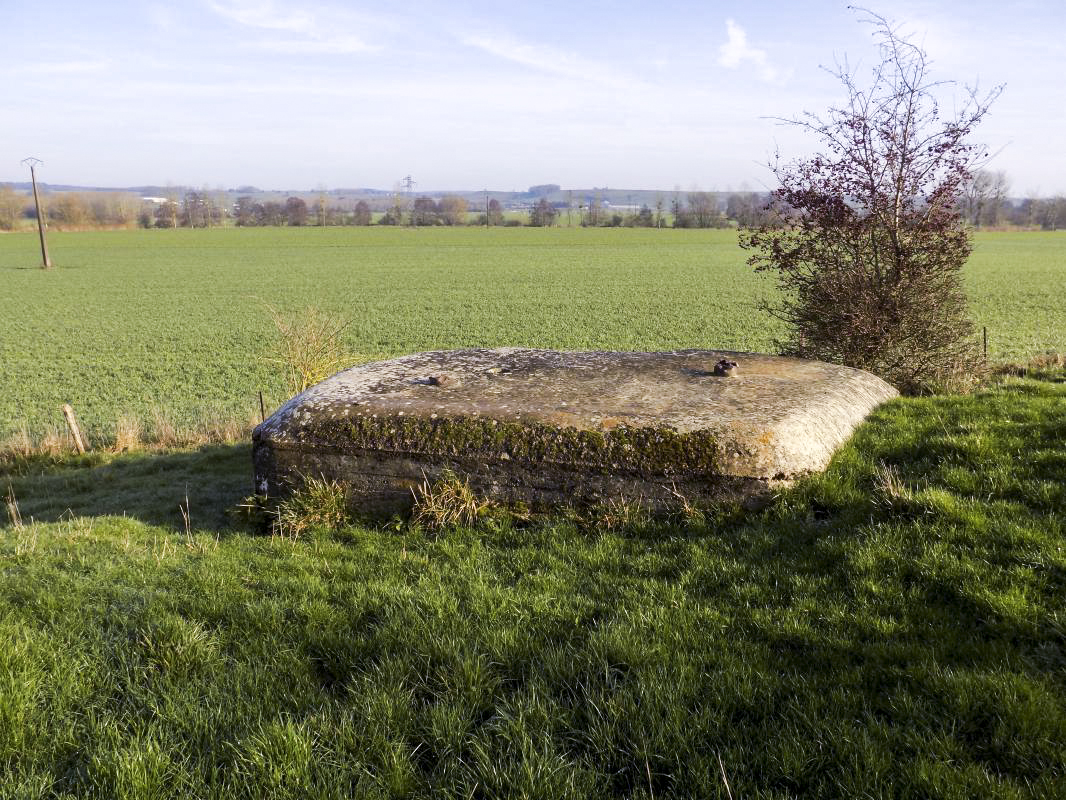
777 418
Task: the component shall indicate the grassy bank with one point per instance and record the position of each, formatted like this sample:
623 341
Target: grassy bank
892 628
169 328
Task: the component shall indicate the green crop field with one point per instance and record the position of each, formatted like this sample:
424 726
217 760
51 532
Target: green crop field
893 627
139 322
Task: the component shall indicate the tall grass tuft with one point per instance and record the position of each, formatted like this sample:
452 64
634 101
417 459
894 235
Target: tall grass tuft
617 514
309 346
318 503
13 515
129 433
447 503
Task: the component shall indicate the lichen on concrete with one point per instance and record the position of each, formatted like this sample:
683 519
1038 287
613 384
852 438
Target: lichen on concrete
540 425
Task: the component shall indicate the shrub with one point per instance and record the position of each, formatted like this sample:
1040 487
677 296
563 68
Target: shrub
865 237
309 347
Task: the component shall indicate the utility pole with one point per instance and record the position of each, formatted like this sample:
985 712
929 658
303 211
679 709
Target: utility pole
408 183
33 162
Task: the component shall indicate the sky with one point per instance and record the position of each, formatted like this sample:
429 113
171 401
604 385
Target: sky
468 95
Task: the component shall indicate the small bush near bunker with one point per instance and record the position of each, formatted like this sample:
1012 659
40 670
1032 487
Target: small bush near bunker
865 237
309 347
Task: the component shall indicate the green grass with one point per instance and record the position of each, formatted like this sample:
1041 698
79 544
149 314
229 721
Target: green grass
138 322
892 628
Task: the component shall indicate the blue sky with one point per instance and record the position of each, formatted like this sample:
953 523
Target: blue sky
467 95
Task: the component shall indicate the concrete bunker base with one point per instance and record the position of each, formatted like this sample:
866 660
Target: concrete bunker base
547 429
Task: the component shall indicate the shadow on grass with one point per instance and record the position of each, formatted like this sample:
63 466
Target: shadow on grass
152 487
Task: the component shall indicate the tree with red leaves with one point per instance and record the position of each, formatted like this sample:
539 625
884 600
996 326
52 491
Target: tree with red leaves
865 237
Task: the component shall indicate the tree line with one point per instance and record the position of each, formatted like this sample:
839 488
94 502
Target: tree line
983 203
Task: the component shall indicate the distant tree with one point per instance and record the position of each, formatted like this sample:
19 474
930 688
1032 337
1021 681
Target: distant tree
393 215
424 211
296 211
451 210
700 211
867 243
196 210
594 214
270 213
361 215
642 219
113 208
660 216
984 196
745 208
544 189
69 209
494 215
1050 213
166 214
680 213
543 214
244 212
11 205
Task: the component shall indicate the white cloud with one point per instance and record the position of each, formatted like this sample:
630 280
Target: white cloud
547 59
736 52
264 14
306 34
333 45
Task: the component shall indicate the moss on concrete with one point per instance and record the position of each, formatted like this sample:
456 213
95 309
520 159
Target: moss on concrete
646 450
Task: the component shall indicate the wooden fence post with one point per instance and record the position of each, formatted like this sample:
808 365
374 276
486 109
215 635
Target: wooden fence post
75 431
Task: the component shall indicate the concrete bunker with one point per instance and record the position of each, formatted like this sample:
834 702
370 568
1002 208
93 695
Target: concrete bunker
546 428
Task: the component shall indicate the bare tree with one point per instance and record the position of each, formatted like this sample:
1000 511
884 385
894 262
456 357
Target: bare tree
983 197
865 237
11 208
543 214
452 210
494 215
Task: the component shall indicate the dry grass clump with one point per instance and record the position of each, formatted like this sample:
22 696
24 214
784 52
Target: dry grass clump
618 514
132 434
53 443
1043 365
448 502
129 434
214 428
163 432
962 376
309 347
18 444
685 512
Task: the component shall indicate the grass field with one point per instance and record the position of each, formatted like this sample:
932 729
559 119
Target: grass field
893 628
142 322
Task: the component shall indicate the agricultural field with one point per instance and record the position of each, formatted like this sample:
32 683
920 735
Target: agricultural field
890 628
175 324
